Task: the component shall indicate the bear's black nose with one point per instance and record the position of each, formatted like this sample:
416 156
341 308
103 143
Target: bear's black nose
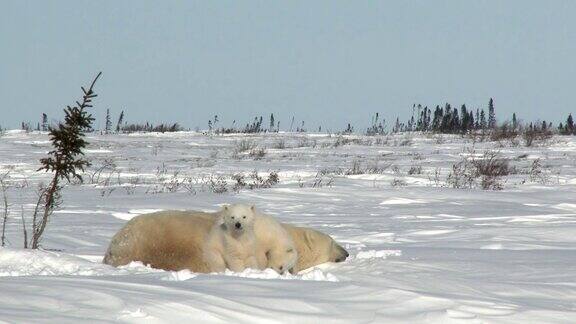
238 225
343 253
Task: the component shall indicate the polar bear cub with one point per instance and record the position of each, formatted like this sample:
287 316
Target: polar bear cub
231 242
275 248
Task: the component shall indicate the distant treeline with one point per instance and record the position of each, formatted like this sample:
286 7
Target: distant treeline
449 120
443 120
121 126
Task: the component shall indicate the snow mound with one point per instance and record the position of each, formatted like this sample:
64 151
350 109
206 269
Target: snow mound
17 263
402 201
138 267
566 206
313 274
180 275
495 246
133 213
378 254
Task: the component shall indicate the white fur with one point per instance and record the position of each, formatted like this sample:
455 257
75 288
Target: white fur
275 248
231 242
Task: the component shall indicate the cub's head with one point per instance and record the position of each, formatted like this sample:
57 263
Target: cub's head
238 217
282 259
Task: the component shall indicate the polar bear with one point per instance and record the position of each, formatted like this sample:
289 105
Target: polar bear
171 240
231 242
275 248
314 247
174 240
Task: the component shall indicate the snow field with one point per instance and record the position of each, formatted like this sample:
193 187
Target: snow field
421 251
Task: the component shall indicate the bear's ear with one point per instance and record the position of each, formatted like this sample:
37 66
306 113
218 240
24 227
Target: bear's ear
253 208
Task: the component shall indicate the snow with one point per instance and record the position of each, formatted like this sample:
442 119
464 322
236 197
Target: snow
15 263
314 274
378 254
420 252
134 212
401 201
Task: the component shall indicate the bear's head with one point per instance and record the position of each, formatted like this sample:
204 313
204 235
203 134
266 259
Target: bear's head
326 246
314 247
282 259
238 218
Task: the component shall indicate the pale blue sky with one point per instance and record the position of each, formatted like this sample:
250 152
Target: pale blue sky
327 62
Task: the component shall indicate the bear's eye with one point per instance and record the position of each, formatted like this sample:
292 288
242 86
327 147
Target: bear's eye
281 268
244 217
232 217
289 251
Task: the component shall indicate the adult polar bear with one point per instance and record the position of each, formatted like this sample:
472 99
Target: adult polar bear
174 240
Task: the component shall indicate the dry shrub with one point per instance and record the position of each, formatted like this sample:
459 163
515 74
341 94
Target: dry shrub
492 165
254 181
257 154
536 136
280 144
244 146
537 173
306 142
341 141
398 183
355 169
504 133
485 172
415 169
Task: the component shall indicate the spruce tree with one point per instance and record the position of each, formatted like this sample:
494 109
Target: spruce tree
65 160
465 119
483 123
477 124
491 114
44 122
455 123
569 125
437 120
108 127
446 119
349 128
271 129
420 121
120 121
425 119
